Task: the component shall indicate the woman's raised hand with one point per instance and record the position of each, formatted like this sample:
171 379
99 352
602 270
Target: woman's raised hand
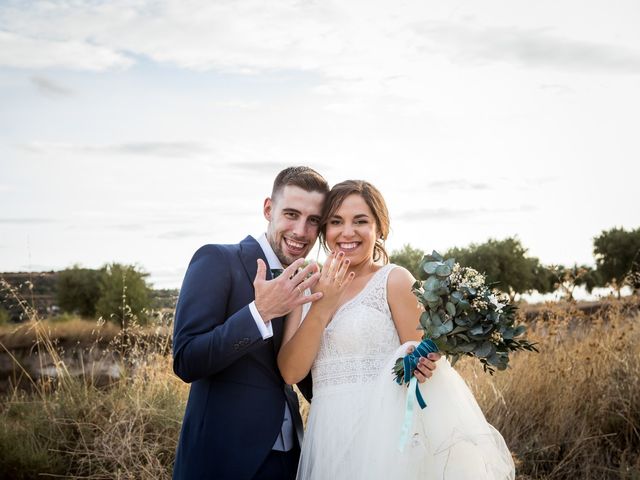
333 282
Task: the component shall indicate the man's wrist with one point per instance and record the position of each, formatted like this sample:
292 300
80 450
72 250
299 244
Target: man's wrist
265 316
264 326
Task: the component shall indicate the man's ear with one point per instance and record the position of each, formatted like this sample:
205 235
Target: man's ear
266 209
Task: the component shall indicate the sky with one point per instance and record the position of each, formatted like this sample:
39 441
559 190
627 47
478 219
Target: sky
137 131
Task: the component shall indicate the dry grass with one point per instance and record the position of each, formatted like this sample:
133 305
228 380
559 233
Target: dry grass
74 330
570 412
71 426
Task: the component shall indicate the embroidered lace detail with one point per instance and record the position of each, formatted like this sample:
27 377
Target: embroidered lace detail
359 339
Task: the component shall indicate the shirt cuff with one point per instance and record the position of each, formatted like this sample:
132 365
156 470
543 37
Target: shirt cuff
266 330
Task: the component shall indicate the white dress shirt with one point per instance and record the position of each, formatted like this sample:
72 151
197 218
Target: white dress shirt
286 439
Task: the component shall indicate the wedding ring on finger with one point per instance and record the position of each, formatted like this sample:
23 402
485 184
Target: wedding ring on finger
299 289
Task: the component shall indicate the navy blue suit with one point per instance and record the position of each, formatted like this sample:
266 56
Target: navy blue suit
237 398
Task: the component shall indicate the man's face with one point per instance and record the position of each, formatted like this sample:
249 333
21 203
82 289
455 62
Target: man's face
294 220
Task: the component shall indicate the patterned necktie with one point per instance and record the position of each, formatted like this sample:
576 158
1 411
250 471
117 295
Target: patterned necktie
275 272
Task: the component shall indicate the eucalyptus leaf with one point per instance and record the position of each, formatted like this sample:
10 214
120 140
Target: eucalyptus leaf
467 347
446 327
476 330
430 267
459 329
507 334
451 308
493 360
429 296
443 271
484 350
463 305
425 320
454 359
435 304
432 283
443 290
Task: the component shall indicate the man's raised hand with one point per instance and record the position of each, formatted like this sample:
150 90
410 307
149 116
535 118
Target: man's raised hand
277 297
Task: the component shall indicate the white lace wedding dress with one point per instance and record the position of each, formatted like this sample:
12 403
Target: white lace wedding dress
356 415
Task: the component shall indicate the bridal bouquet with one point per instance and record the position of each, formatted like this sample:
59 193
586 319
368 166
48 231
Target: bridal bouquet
463 316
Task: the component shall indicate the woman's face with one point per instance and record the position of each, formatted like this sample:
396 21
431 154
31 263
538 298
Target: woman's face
352 230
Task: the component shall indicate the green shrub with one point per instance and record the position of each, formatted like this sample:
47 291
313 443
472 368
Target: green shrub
124 295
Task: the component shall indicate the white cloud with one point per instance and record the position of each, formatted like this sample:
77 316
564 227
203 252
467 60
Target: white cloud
19 51
175 149
533 48
340 40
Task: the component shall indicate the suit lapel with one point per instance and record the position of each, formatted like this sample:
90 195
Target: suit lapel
250 251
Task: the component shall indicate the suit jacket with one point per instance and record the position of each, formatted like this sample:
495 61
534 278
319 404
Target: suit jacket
237 398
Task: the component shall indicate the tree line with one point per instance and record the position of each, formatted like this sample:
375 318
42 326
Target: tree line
506 263
121 293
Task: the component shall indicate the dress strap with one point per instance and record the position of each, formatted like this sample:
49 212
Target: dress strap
375 295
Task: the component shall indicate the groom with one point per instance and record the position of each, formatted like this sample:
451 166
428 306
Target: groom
241 420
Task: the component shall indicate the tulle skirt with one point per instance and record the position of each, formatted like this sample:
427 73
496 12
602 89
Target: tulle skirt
354 430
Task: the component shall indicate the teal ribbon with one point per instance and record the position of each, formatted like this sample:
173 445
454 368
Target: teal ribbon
410 363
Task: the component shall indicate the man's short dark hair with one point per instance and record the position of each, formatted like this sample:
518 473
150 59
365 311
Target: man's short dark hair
304 177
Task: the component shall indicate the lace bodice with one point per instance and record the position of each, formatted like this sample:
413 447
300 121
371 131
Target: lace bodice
359 338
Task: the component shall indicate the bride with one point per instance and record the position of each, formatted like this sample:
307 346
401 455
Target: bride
349 341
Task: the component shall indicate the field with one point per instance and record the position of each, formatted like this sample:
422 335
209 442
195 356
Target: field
570 412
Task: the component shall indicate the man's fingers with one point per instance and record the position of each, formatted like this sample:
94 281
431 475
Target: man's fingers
302 299
291 269
261 272
304 273
309 282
